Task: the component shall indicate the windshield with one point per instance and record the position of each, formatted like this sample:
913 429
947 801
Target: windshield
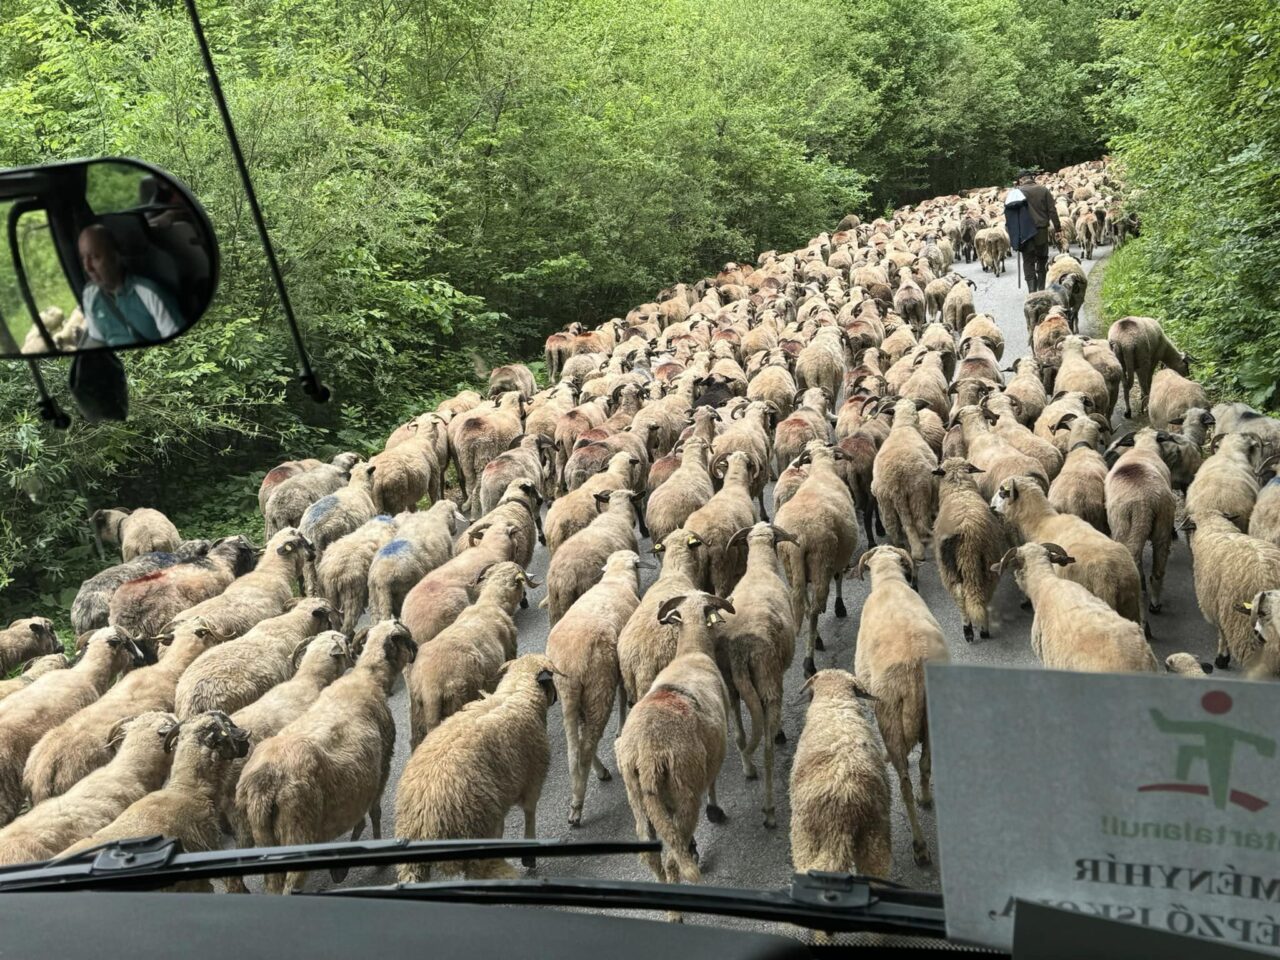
700 377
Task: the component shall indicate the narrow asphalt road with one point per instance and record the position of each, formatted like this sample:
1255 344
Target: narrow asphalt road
742 851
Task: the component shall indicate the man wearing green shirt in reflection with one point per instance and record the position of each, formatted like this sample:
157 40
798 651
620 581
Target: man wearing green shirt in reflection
121 308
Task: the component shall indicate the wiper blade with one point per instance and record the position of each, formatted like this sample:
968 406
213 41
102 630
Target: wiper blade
834 902
149 863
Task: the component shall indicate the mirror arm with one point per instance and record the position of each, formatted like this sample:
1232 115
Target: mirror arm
49 409
311 384
24 287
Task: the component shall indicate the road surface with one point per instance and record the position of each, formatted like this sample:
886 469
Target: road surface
743 852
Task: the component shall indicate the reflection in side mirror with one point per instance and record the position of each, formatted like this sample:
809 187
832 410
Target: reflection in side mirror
111 254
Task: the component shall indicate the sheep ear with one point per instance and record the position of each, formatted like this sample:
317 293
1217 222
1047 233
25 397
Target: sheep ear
115 736
1176 421
938 472
696 541
712 607
1057 555
860 691
972 469
782 535
1244 607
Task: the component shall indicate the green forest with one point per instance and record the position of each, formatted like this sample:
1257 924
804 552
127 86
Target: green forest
447 182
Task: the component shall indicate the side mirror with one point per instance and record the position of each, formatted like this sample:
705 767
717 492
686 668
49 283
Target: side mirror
107 254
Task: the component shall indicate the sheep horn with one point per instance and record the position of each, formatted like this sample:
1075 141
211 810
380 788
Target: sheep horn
782 535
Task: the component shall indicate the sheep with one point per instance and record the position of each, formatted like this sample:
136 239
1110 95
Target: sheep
142 607
26 639
298 787
1140 344
1037 305
725 513
1102 566
342 575
512 377
136 532
577 565
935 294
75 748
334 516
1172 395
405 474
423 541
1228 480
993 248
1186 665
1261 611
1073 628
840 796
290 500
645 646
531 457
138 765
463 660
967 540
774 384
481 435
820 516
1027 389
821 363
430 428
902 481
673 744
583 648
278 475
1056 412
320 662
90 609
909 300
1077 375
1141 506
1005 424
32 671
1241 418
442 594
1080 487
1098 353
32 712
688 488
473 768
748 432
807 422
957 309
186 808
459 404
754 650
1229 568
1183 451
983 326
258 594
897 636
575 510
1264 520
519 509
1066 273
241 670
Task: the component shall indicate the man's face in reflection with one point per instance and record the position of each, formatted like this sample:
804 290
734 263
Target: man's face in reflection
99 258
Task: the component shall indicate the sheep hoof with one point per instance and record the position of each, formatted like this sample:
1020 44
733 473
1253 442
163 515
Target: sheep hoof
780 737
1155 607
841 610
809 669
575 817
337 874
926 801
529 861
770 820
1222 661
524 603
715 814
1025 605
604 775
750 772
984 634
818 644
542 539
920 853
968 633
693 850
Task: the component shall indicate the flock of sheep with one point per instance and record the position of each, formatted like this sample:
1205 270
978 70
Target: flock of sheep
224 690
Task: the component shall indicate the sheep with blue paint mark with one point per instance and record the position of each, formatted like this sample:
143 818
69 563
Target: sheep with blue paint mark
423 541
331 518
342 575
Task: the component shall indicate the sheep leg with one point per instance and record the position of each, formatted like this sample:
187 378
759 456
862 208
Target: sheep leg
1223 658
529 804
772 722
926 767
735 709
868 509
841 610
622 706
577 771
764 514
714 813
338 874
1161 541
919 847
537 522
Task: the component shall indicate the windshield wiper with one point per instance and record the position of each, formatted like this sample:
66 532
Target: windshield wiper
834 902
149 863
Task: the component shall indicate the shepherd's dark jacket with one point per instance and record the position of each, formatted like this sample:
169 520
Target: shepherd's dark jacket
1040 203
